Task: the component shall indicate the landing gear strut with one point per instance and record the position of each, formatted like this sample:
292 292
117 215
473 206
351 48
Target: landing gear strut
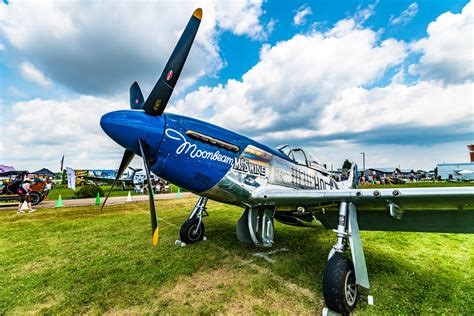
192 229
342 277
256 226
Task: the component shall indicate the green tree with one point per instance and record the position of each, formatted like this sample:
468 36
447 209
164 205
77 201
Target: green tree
64 179
346 165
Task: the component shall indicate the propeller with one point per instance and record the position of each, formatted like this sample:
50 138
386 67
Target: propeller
154 219
156 102
126 159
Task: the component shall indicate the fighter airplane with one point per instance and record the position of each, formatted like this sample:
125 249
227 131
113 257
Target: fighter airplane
127 180
285 184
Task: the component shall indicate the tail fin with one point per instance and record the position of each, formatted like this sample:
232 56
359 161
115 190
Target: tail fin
136 96
352 180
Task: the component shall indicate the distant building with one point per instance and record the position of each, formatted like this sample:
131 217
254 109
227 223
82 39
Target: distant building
471 152
405 173
456 171
394 172
381 172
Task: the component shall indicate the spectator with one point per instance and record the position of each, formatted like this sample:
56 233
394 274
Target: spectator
47 188
37 179
137 188
24 193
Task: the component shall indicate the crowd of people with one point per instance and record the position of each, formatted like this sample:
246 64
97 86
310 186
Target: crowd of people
389 180
160 186
372 180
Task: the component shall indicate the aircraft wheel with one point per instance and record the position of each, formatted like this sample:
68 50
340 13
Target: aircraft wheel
339 285
35 198
190 232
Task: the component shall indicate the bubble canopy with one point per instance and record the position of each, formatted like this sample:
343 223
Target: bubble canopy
301 156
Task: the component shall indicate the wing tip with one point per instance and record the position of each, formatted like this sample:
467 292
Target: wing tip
198 13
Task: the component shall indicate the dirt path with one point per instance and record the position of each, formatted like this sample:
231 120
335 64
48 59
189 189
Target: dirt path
91 201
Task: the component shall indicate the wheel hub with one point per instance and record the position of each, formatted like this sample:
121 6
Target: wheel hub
350 288
194 232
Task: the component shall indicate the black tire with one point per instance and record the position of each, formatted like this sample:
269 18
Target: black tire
339 287
188 233
35 197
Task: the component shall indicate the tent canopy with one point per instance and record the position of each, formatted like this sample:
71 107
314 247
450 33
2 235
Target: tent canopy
44 172
4 168
12 173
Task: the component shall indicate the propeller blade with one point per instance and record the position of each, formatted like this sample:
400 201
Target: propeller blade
154 219
156 102
136 96
126 159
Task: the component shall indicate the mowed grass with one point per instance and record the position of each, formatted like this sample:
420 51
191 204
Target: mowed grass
80 260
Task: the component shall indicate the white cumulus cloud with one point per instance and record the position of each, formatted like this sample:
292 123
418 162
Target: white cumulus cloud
406 16
426 104
94 49
31 73
301 14
447 51
295 79
41 131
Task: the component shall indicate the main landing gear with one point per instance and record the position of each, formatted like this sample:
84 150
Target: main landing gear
343 277
256 226
192 229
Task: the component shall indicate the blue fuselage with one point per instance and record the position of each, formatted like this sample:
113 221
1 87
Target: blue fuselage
207 159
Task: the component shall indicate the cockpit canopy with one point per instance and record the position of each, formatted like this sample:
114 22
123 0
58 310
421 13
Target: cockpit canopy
302 157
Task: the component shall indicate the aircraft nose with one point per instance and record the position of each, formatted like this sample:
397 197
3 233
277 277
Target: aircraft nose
126 126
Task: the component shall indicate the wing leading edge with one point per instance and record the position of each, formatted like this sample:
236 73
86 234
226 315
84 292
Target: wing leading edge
448 210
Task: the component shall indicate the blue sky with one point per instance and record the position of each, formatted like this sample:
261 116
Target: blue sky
327 13
390 78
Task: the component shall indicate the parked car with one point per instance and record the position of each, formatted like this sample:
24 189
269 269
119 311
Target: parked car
7 194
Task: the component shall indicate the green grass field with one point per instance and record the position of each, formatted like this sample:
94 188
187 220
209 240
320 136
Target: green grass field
80 260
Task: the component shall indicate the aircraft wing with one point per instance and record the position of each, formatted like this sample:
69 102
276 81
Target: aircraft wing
449 209
105 180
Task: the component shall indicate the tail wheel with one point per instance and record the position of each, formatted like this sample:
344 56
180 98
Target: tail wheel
35 197
191 231
339 285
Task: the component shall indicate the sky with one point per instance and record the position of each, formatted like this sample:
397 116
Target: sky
392 79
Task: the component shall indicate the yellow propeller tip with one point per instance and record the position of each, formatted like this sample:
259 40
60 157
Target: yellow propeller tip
155 237
198 13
